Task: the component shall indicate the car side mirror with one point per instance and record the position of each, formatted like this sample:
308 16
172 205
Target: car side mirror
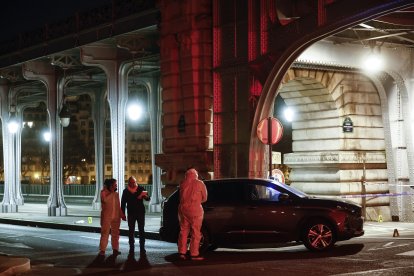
283 197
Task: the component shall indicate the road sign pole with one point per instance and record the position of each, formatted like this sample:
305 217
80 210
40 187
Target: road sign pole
267 137
269 142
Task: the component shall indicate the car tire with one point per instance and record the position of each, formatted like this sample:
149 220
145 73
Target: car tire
318 235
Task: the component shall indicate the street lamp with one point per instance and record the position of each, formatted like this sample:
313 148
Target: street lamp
289 114
64 114
134 111
47 136
13 124
373 62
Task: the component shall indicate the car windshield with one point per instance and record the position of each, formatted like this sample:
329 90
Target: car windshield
281 187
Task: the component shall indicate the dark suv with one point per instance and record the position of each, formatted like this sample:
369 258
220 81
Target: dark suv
263 211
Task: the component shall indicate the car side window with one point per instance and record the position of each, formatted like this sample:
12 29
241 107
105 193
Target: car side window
263 193
225 192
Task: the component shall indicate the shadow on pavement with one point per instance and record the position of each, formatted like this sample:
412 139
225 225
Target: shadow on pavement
100 261
240 256
131 264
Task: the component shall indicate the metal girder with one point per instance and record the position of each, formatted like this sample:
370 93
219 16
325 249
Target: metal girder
65 61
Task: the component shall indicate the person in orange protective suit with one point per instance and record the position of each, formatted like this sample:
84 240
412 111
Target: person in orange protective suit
193 192
111 215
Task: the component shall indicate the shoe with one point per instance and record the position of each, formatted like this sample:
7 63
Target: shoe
197 258
116 253
101 253
183 257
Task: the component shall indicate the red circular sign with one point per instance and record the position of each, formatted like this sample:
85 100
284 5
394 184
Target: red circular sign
276 131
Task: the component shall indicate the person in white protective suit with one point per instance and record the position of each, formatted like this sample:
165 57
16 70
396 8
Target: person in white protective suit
111 215
193 192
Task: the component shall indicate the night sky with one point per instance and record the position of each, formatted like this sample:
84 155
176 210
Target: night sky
18 16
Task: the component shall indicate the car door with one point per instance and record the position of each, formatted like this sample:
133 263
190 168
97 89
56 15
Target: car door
267 219
222 214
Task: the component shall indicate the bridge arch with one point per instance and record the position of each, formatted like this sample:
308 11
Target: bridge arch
286 59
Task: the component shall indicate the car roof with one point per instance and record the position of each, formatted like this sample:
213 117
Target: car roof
238 179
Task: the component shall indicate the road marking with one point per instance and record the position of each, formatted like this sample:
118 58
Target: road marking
11 237
408 253
384 238
92 238
388 246
121 239
352 259
270 249
375 271
50 239
15 245
65 256
59 240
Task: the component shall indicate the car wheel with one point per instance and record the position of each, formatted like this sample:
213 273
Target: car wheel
318 236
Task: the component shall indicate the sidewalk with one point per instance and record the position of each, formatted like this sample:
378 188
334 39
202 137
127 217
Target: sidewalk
79 218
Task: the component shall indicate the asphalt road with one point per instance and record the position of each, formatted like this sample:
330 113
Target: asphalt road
61 252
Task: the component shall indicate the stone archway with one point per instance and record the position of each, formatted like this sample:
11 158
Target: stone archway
399 146
326 161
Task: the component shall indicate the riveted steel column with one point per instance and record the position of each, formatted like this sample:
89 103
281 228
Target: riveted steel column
155 111
8 204
46 73
98 111
107 58
17 158
156 143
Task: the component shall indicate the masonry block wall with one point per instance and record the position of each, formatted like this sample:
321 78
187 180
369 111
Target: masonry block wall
327 161
187 93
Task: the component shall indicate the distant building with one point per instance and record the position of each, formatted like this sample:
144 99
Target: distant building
79 147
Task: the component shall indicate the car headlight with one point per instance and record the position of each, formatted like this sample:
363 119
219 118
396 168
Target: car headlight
356 211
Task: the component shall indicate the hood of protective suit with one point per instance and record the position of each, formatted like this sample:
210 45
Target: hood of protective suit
191 174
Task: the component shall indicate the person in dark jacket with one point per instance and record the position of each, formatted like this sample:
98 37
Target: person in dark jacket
133 198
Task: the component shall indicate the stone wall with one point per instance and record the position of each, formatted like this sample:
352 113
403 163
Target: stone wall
326 161
187 99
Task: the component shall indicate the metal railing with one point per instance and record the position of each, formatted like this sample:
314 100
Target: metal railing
72 189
